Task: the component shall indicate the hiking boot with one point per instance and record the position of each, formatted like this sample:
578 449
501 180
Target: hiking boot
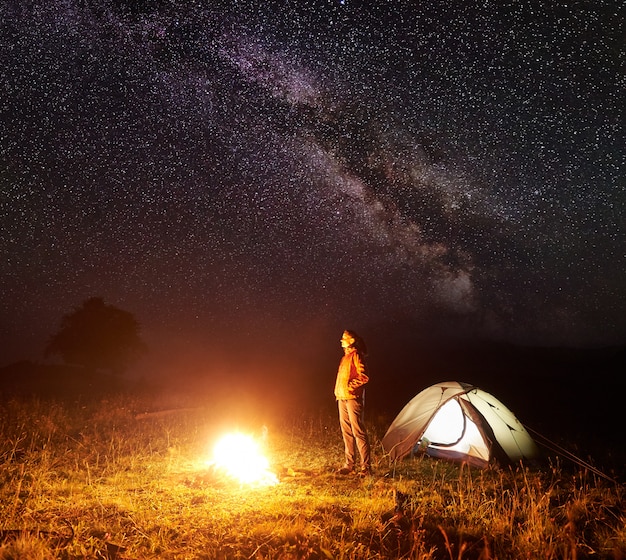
345 470
364 472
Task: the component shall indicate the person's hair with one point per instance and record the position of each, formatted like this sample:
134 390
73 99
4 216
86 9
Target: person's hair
359 343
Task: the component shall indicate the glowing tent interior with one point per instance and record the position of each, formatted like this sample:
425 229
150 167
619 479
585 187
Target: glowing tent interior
461 422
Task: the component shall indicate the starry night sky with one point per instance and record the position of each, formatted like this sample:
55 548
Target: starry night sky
274 172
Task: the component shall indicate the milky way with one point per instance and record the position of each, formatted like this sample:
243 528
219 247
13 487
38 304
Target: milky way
455 165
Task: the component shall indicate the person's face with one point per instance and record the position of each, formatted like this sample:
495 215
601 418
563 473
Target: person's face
346 340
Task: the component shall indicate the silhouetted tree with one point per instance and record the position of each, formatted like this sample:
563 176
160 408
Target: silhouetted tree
97 336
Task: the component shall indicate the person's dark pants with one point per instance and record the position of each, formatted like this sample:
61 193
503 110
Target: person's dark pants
353 432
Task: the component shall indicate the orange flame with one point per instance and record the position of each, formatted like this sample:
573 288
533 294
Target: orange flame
240 457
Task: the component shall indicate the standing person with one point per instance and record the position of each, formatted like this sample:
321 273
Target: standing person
350 393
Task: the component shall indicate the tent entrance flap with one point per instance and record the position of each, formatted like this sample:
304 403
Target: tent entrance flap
447 427
451 432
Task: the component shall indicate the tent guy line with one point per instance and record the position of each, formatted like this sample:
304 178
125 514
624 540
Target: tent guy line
552 446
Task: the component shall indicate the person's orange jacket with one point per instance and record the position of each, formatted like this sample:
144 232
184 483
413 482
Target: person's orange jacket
351 376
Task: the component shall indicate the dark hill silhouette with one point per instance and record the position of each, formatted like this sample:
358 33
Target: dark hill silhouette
556 389
573 396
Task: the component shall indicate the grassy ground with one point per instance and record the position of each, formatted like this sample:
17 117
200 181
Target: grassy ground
126 478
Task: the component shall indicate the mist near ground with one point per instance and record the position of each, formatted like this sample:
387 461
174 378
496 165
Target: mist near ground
570 395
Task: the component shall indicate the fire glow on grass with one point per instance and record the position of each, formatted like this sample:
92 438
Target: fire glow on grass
240 457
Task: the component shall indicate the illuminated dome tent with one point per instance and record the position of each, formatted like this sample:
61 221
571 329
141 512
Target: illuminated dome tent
461 422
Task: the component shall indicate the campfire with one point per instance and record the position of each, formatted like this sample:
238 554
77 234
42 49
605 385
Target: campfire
239 456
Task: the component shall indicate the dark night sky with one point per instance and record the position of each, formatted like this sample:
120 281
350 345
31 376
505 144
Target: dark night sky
277 171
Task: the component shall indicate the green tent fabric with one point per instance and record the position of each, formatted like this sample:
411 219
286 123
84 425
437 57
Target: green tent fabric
460 422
